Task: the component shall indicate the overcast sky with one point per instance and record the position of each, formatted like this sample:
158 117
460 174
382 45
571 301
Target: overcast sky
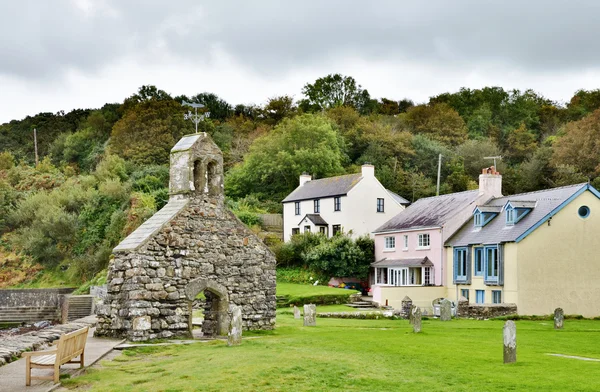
65 54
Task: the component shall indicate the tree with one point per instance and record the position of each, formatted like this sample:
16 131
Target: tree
473 153
439 122
583 103
520 143
335 90
277 108
579 147
305 143
219 109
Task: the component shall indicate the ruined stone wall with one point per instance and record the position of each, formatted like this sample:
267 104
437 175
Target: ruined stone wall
147 288
484 311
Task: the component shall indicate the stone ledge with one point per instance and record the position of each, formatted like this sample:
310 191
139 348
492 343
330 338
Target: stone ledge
11 347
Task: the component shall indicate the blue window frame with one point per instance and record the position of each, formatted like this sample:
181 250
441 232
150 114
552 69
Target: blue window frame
460 264
337 203
492 264
297 208
478 218
496 296
479 261
317 204
465 293
480 296
510 216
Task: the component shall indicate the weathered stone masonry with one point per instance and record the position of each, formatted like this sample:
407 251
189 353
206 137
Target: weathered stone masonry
192 245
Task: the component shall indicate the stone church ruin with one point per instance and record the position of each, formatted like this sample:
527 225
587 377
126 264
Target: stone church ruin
193 245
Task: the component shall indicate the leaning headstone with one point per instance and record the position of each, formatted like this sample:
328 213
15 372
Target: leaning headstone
445 310
411 314
510 341
310 315
559 318
417 320
234 335
296 312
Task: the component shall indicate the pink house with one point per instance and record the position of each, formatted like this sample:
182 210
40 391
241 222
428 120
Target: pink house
409 248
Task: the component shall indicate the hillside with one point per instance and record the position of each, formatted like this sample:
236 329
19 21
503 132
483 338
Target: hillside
101 172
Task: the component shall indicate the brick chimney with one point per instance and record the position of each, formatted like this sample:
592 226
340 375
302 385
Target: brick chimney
367 170
304 178
490 182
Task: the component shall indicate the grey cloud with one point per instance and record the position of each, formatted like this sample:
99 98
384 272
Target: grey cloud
43 39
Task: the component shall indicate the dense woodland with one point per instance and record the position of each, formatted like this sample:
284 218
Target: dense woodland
102 172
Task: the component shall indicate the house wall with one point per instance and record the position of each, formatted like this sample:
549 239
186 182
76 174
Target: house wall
509 289
434 252
559 264
358 210
422 296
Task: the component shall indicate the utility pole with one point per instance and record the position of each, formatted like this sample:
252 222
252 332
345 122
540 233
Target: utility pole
35 145
437 191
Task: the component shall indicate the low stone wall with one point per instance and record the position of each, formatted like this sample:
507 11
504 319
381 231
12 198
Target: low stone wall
13 298
11 347
484 311
377 315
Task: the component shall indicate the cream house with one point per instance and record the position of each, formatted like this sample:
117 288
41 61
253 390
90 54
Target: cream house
353 203
538 250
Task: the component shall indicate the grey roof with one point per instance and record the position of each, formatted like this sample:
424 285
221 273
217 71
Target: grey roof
494 209
399 199
522 203
325 187
186 142
151 226
430 211
496 231
419 262
316 219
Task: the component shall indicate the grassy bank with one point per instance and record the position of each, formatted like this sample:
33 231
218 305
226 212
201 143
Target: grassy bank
358 355
299 294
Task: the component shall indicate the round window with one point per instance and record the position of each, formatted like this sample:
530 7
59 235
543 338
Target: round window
584 211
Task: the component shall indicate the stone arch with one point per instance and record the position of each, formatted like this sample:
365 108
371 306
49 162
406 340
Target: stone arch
199 176
216 319
213 180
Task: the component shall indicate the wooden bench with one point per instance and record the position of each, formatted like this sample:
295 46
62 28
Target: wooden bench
68 347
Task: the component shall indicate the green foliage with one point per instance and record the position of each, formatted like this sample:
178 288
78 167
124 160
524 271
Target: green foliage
335 90
289 254
7 160
305 143
438 122
300 275
339 256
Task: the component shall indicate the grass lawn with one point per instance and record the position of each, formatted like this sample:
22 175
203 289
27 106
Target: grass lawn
303 290
364 355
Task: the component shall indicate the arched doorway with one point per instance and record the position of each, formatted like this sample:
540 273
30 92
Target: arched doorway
215 306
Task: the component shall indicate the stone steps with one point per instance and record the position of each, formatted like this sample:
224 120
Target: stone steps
361 305
80 306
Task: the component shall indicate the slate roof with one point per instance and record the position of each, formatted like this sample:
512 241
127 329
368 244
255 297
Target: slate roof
316 219
324 187
151 226
523 203
496 231
398 198
430 211
419 262
486 208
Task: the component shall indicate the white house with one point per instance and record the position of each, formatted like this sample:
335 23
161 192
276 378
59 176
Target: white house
355 203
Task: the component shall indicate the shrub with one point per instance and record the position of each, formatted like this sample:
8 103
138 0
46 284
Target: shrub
300 275
339 256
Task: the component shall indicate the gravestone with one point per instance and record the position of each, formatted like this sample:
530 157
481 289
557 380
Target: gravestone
234 336
559 318
411 314
310 315
510 341
417 320
445 310
296 312
406 307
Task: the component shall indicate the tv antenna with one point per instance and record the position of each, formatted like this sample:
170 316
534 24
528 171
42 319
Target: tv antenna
195 117
494 158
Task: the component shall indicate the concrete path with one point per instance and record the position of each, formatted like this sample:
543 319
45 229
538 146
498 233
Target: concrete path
12 375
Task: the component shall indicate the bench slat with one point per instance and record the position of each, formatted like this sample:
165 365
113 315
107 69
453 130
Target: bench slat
44 360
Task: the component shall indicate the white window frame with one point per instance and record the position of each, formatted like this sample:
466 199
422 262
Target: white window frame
389 244
422 243
297 210
401 276
405 242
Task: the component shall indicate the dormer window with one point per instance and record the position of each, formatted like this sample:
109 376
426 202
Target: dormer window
510 216
478 219
484 214
517 210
